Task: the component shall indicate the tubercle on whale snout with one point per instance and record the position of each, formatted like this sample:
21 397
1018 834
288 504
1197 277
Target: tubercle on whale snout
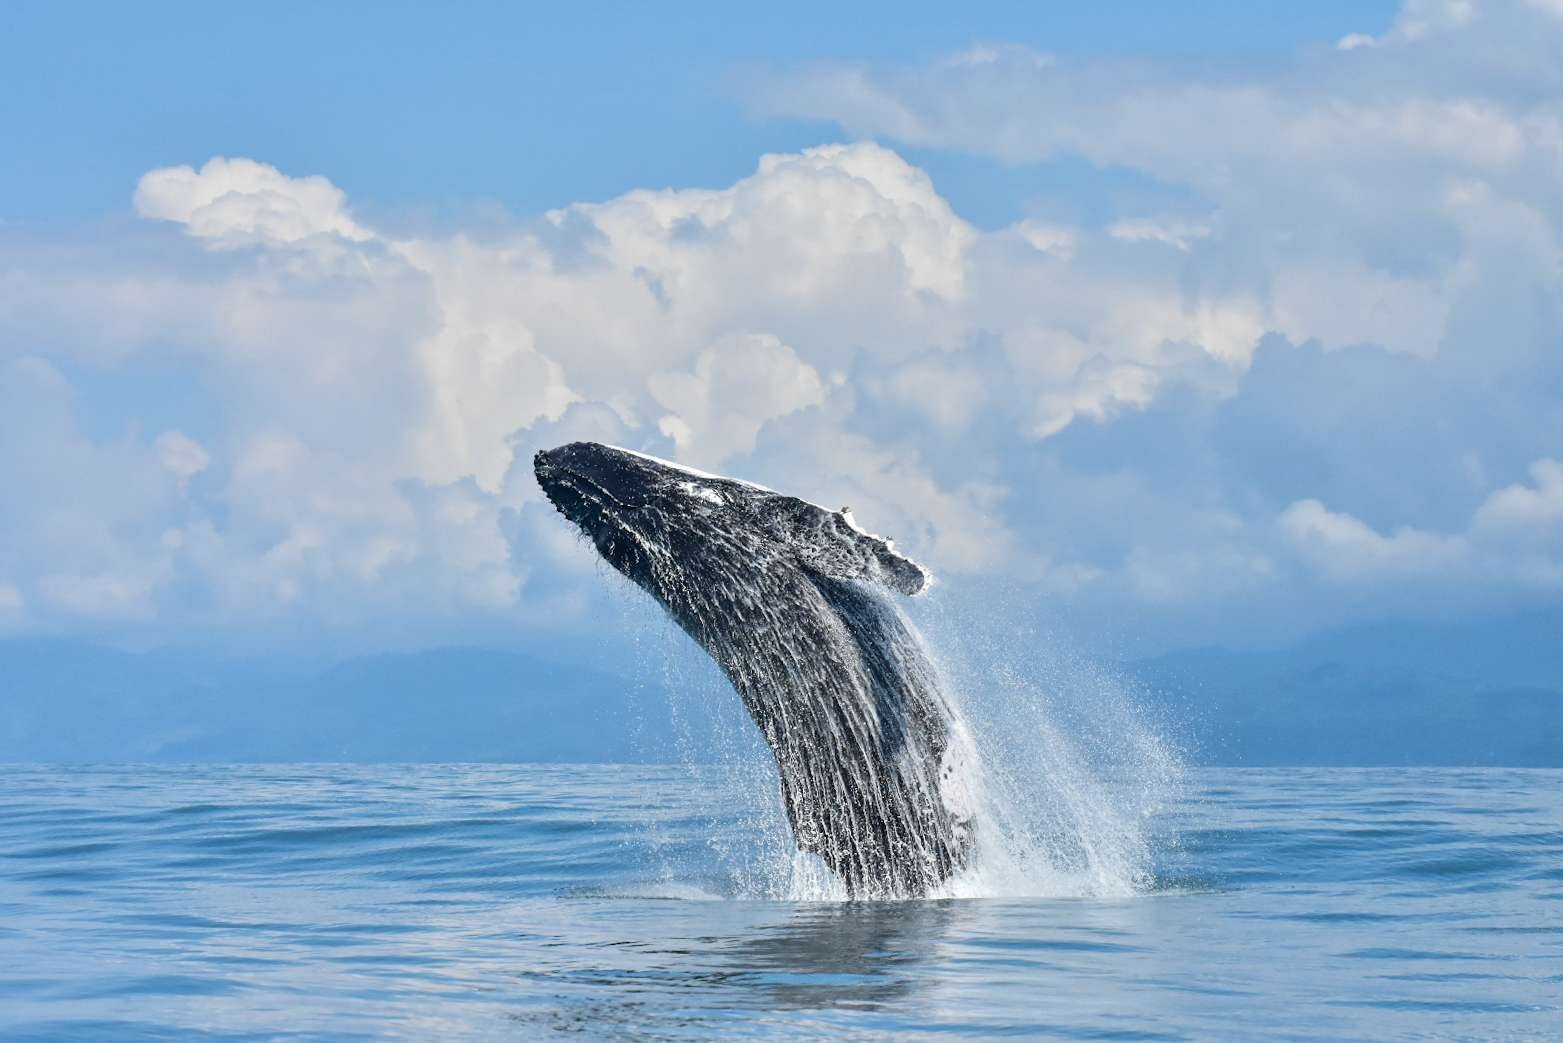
561 492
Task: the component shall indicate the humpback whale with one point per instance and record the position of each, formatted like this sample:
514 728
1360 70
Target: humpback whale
793 603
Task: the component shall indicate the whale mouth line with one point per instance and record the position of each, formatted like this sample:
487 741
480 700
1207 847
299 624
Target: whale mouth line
560 483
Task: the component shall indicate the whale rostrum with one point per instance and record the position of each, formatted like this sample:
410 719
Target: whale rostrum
793 603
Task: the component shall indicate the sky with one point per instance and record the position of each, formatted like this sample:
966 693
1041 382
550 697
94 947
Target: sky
1189 326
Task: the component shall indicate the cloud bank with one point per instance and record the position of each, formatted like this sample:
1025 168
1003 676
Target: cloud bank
1325 381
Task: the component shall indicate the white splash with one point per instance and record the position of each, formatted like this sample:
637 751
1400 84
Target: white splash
1067 779
1074 781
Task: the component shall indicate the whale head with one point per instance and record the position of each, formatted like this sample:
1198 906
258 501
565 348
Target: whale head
667 527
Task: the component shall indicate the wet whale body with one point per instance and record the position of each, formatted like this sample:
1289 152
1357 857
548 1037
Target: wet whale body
793 602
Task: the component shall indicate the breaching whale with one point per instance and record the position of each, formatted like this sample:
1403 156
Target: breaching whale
791 601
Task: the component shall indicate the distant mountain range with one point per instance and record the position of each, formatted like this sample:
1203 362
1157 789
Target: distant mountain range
1489 693
68 701
1395 693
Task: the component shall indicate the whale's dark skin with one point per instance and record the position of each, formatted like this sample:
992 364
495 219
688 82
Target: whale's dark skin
791 602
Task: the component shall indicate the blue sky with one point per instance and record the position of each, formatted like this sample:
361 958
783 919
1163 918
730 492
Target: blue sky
532 106
1215 325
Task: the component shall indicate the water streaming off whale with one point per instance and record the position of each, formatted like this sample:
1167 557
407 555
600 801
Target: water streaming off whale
879 776
1073 781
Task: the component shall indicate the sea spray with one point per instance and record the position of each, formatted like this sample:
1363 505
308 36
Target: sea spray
880 775
1075 778
1071 775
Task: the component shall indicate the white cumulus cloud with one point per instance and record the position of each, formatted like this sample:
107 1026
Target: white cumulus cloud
1325 372
238 202
736 387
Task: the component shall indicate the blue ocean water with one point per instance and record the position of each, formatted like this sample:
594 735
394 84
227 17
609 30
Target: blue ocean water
524 902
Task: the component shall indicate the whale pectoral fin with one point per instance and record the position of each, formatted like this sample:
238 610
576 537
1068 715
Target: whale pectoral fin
831 544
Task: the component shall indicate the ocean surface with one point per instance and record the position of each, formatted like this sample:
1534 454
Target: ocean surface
526 902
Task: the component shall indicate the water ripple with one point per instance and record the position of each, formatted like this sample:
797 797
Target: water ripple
497 901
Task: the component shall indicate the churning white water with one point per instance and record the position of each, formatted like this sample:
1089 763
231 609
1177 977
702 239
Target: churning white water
1075 778
1068 776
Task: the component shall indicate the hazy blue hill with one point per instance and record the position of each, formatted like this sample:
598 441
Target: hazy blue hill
70 701
1389 693
1522 649
453 704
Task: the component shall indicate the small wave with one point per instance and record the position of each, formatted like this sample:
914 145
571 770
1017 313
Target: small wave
656 890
